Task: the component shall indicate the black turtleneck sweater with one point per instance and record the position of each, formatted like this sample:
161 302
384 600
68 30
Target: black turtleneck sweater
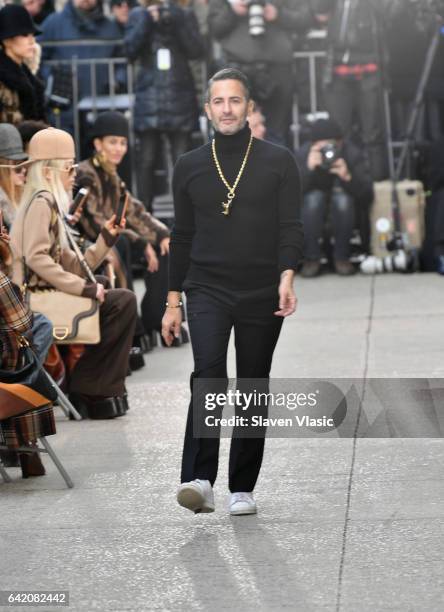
263 234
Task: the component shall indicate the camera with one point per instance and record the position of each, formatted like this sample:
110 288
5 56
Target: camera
329 154
400 261
256 21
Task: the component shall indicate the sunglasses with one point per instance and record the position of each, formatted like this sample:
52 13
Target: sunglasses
71 170
20 169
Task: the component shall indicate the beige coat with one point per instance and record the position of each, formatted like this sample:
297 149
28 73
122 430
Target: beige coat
51 263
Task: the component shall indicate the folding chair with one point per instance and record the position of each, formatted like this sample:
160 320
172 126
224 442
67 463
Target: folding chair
32 413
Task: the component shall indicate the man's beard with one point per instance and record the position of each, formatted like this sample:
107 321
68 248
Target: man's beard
232 129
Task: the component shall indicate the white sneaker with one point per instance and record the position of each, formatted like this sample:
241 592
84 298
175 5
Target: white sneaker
242 503
196 495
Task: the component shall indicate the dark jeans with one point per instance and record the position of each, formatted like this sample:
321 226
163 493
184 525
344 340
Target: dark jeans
347 98
342 215
42 338
148 151
211 316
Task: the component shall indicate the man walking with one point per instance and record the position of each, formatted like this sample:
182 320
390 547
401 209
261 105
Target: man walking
236 243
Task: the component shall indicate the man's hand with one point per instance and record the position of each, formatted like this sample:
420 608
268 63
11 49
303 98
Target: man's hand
340 168
240 7
287 298
270 12
314 159
165 246
172 319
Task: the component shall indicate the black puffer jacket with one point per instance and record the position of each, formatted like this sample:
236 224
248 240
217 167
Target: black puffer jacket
165 99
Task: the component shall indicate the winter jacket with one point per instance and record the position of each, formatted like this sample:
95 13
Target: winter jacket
360 187
102 201
21 93
68 24
353 36
275 45
165 99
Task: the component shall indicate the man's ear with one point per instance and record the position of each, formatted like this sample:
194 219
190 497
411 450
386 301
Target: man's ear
47 173
207 110
250 107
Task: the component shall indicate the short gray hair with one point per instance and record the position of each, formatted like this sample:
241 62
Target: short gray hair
229 74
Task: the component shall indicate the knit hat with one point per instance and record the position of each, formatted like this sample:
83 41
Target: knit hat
51 144
16 21
11 146
326 129
110 123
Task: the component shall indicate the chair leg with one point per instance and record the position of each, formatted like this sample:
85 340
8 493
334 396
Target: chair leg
6 477
57 462
64 402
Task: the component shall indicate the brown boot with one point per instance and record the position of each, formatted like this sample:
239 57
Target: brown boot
31 465
343 267
311 268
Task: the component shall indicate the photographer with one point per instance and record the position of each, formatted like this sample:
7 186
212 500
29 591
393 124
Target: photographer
335 180
353 75
163 37
256 38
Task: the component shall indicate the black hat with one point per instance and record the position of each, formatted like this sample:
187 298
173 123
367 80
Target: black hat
110 123
16 21
326 129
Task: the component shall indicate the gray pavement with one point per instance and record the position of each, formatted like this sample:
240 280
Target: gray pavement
343 524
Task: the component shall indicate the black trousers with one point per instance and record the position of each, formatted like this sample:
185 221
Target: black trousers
348 98
148 152
211 316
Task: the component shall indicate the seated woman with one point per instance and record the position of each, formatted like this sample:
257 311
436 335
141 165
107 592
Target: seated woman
99 174
16 319
97 383
13 169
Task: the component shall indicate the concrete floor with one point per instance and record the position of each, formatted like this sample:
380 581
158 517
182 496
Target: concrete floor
343 524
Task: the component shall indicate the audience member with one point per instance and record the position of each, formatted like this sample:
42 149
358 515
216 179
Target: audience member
39 240
109 134
264 54
21 93
162 37
336 182
79 19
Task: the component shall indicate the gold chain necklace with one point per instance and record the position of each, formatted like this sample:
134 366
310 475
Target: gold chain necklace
226 206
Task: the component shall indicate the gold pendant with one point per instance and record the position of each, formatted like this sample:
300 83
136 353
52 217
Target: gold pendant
226 206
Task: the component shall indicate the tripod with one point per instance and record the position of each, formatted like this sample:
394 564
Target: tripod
397 242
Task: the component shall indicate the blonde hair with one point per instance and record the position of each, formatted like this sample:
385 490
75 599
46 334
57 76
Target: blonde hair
12 191
38 181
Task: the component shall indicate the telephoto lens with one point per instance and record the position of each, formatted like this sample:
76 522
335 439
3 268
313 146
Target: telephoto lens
391 263
256 21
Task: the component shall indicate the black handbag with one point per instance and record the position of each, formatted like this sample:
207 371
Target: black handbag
29 372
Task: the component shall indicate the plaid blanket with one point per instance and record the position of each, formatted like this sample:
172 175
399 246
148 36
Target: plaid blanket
25 428
14 318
